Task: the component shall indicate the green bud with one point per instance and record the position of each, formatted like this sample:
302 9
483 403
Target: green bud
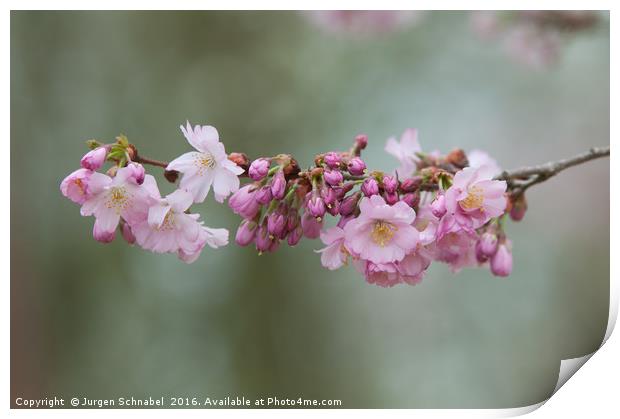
122 140
445 181
93 144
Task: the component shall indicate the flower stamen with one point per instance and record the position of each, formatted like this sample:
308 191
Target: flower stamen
474 199
169 221
118 199
204 161
383 232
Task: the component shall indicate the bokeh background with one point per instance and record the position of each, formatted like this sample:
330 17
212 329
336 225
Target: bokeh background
105 321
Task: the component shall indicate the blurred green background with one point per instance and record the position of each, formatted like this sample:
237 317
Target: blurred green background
104 321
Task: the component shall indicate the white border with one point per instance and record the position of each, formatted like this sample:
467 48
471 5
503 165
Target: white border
594 391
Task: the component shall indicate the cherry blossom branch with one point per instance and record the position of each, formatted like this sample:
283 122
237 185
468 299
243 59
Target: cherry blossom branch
433 207
519 180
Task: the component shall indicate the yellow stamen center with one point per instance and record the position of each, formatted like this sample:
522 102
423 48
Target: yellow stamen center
204 161
474 198
383 232
80 185
118 199
168 223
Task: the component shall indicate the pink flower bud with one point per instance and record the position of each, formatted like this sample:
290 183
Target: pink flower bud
128 234
411 184
246 232
340 191
243 203
295 235
276 224
263 195
263 241
329 196
411 199
292 220
136 173
501 262
94 159
101 235
391 198
356 166
259 169
278 185
488 244
438 206
333 177
361 141
311 227
390 184
519 208
315 205
480 256
334 209
370 187
349 204
332 160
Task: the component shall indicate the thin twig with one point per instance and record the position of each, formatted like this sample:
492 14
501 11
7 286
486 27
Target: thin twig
152 162
520 179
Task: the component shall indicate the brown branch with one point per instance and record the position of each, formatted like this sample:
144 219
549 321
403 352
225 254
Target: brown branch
152 162
520 179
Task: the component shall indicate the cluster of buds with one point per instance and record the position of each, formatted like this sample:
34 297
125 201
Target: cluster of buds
533 37
389 225
284 203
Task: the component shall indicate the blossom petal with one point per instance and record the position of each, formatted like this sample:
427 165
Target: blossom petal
108 219
216 237
332 256
200 137
185 163
180 200
157 214
224 183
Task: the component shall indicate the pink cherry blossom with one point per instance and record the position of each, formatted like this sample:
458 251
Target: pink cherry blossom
413 267
109 199
381 233
75 186
479 158
458 249
474 195
382 274
405 151
170 229
213 237
335 254
209 166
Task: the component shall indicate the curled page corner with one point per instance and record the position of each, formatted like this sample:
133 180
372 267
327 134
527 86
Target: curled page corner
568 368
